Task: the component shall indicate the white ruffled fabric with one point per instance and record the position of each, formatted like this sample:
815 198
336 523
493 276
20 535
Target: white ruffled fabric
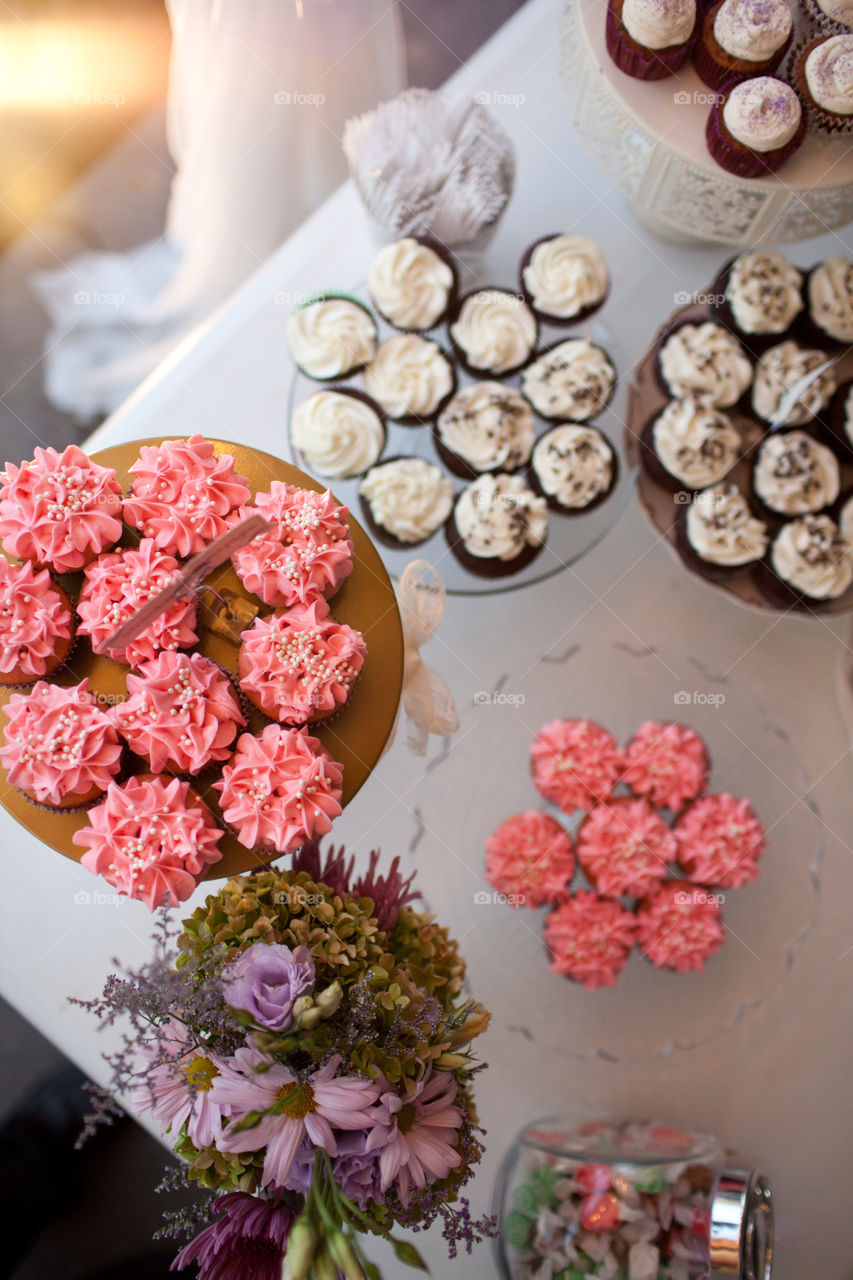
259 92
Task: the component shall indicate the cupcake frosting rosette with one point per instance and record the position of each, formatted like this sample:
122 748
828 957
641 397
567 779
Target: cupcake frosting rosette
307 553
280 790
624 847
152 838
59 510
719 841
181 713
36 624
530 860
667 763
116 585
679 926
589 939
183 495
575 763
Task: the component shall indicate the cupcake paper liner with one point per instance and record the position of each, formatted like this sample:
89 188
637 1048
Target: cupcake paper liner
738 159
818 121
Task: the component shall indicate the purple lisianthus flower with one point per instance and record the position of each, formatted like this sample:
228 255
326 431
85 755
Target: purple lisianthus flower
265 981
246 1241
357 1171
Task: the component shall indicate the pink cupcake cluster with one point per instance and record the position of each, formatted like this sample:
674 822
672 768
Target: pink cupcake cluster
653 847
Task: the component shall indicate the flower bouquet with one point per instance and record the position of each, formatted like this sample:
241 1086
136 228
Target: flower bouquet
306 1050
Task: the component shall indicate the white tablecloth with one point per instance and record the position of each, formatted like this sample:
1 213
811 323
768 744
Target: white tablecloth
775 1080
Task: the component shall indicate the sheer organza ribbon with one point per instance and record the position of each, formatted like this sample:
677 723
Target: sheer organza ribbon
426 701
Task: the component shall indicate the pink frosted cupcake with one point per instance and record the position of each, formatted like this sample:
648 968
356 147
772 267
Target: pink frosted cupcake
755 126
60 510
59 747
183 494
624 847
307 554
152 839
679 926
719 841
589 939
650 39
667 763
280 790
575 763
299 666
180 714
529 858
36 624
116 585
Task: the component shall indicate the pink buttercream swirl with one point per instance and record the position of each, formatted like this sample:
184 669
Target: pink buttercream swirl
308 553
59 743
34 618
679 926
181 712
152 838
589 939
183 494
116 585
300 664
575 763
624 847
530 859
719 841
280 790
60 509
667 763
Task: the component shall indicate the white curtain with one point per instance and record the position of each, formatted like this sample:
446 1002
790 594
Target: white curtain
259 92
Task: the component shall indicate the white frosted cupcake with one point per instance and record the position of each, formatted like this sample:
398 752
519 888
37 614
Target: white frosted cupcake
690 445
823 74
331 337
498 526
574 468
412 283
810 564
760 296
829 292
755 126
779 369
704 362
339 434
405 500
718 534
564 278
493 332
742 38
487 426
410 378
794 475
573 380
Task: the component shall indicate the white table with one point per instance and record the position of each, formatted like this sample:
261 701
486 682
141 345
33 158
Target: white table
777 1083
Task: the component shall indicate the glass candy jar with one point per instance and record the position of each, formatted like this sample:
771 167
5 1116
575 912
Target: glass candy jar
629 1201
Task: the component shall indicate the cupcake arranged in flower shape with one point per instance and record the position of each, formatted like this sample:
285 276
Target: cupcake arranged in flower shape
719 535
564 278
762 297
60 510
340 434
667 763
59 747
494 332
280 790
299 666
795 475
680 926
180 714
823 73
589 939
486 427
624 847
650 39
153 839
573 380
36 624
720 841
183 495
307 553
690 445
115 586
410 378
575 763
830 300
741 38
754 126
405 500
780 369
530 860
412 283
810 564
574 468
331 337
705 362
497 526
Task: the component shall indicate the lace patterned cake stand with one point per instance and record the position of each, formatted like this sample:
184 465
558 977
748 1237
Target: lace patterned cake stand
648 140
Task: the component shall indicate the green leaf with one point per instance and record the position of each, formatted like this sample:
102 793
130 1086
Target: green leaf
408 1253
372 1271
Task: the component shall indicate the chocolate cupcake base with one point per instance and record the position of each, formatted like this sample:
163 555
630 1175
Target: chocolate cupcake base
487 567
693 561
633 58
545 317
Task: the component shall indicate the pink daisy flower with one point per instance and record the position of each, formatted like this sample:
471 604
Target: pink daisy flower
416 1133
179 1090
312 1107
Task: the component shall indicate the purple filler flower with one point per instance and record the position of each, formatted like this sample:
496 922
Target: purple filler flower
356 1170
246 1242
265 981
